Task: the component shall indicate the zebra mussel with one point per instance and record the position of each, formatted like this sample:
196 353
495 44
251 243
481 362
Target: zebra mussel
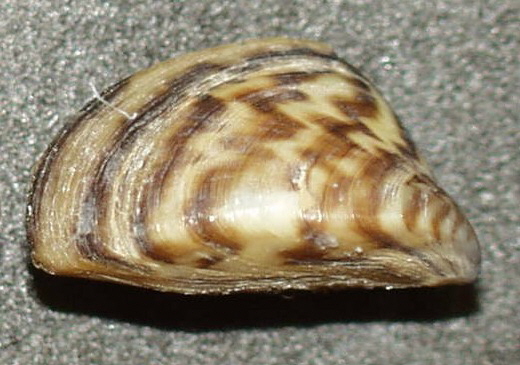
258 166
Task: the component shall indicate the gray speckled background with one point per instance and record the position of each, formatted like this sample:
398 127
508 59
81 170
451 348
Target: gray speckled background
451 71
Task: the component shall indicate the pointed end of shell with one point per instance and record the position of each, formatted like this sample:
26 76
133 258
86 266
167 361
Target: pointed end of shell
455 260
426 237
466 258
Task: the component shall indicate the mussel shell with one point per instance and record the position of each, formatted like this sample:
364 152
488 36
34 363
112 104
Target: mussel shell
258 166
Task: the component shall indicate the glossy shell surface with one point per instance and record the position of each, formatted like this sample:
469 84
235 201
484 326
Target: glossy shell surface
257 166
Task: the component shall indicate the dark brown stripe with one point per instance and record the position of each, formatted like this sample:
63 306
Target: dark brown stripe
205 226
88 243
173 95
278 126
367 205
331 145
363 105
297 77
440 215
305 52
47 160
421 185
90 230
139 224
324 152
204 113
340 129
413 209
123 139
265 100
90 247
407 150
195 73
273 125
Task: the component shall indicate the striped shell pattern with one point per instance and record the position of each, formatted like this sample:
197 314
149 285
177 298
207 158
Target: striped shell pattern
258 166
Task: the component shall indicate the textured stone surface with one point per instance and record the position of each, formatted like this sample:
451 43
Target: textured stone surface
450 70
